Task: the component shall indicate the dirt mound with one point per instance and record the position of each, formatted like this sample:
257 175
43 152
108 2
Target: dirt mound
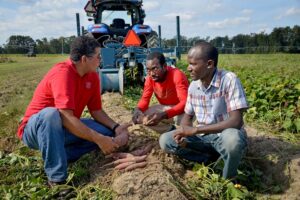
278 160
156 180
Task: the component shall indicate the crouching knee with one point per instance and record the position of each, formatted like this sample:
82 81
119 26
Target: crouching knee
234 141
167 143
51 116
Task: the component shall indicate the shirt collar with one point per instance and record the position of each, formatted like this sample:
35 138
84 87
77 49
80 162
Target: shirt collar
216 80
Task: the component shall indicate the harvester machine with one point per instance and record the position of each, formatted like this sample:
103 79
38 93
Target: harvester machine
125 40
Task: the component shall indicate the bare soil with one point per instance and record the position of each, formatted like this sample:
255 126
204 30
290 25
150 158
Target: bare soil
164 176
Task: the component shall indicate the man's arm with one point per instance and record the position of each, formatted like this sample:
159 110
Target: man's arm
235 120
101 117
181 85
144 101
187 120
75 126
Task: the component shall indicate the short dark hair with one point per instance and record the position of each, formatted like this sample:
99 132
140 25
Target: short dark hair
206 51
157 55
83 45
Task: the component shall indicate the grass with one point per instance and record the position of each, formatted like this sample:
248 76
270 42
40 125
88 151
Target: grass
21 169
272 86
18 80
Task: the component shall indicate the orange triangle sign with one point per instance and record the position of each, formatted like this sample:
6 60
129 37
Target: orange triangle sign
132 39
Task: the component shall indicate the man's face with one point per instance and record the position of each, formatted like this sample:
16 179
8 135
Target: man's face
198 68
155 70
94 60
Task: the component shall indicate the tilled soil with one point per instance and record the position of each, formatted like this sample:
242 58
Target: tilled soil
279 161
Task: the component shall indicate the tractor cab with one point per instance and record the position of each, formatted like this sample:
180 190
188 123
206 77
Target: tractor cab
125 39
114 18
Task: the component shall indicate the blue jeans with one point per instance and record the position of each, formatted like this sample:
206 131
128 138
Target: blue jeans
45 132
230 144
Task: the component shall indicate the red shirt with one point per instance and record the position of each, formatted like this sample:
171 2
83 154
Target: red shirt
172 91
63 88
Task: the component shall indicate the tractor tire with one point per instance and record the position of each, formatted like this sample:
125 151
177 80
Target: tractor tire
152 40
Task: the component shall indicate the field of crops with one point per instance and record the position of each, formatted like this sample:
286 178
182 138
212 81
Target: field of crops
272 84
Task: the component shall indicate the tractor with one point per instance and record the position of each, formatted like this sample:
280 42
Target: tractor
125 40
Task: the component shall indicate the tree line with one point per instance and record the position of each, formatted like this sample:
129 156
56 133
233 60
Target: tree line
18 44
282 39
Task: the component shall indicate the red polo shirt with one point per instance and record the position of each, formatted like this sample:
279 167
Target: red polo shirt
63 88
172 91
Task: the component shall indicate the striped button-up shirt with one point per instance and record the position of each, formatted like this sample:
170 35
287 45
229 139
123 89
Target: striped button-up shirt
212 104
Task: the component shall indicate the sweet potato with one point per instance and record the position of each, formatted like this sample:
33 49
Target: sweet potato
135 159
121 155
123 165
142 151
135 165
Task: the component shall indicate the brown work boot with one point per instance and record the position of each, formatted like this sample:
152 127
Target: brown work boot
65 191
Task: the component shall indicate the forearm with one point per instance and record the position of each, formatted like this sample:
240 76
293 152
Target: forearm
144 101
235 120
187 120
75 126
101 117
175 110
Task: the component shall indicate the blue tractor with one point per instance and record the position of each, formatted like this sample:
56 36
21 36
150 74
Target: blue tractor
113 20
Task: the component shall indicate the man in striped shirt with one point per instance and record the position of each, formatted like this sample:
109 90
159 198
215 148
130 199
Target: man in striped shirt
217 99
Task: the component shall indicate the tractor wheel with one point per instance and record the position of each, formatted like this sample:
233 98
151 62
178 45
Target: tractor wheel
152 40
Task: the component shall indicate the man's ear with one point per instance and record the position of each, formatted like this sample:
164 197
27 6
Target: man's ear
210 64
83 59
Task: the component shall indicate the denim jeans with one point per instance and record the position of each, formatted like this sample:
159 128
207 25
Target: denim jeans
45 132
230 144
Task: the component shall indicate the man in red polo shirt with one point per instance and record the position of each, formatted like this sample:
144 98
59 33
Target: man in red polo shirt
170 87
52 121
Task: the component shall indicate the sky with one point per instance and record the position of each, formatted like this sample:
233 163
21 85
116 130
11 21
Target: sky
203 18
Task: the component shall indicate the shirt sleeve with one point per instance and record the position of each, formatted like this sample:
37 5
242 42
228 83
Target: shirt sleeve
188 106
235 96
181 85
143 103
63 90
95 102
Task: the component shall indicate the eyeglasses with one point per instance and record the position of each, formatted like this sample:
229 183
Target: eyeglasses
153 69
98 56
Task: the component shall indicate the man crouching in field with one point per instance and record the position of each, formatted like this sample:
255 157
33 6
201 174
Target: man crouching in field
217 99
52 121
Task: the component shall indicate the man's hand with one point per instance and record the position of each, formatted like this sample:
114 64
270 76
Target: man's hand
155 118
182 132
122 128
106 144
137 115
122 134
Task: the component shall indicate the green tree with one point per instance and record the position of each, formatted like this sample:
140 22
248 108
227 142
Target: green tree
19 44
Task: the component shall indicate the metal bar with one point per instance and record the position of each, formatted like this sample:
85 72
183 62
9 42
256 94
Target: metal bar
178 49
82 30
78 24
159 35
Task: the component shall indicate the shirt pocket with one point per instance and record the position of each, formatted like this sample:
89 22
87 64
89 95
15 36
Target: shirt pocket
219 105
